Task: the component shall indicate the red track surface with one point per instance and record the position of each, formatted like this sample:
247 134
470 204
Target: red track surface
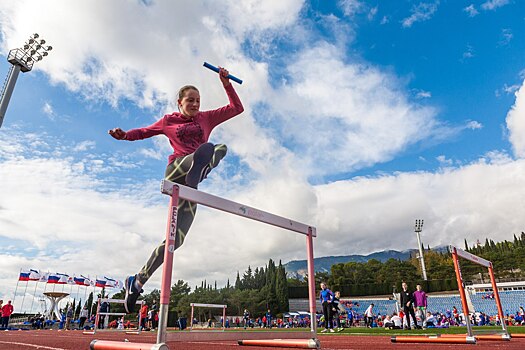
75 340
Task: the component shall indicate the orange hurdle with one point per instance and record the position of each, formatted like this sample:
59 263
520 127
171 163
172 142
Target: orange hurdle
518 335
433 339
284 343
116 345
494 337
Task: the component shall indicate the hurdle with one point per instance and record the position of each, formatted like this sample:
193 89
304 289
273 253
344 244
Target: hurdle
461 338
176 192
115 301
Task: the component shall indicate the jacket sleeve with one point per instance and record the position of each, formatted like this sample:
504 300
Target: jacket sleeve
154 129
222 114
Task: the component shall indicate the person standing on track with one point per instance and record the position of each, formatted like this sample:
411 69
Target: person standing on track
327 297
193 158
407 302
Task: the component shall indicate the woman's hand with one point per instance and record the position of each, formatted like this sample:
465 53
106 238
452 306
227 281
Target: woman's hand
117 133
223 75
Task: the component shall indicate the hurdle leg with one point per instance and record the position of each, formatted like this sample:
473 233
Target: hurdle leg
433 339
283 343
115 345
171 234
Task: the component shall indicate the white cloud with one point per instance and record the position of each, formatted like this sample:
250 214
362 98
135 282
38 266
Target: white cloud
506 36
420 12
471 10
351 7
516 123
494 4
474 125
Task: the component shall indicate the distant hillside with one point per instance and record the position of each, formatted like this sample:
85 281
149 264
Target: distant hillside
297 268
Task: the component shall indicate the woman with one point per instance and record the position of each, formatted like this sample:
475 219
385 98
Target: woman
193 158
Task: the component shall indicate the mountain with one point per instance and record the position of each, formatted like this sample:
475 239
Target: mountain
298 268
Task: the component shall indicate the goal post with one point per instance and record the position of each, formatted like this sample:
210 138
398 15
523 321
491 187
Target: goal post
217 306
460 253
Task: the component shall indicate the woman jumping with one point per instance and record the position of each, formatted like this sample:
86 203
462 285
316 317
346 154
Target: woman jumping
193 158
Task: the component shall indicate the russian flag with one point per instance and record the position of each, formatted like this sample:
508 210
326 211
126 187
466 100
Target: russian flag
24 275
53 279
79 280
100 282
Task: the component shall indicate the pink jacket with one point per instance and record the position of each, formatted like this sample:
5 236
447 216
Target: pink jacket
185 135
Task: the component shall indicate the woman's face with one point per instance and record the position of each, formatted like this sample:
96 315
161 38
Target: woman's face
323 286
189 105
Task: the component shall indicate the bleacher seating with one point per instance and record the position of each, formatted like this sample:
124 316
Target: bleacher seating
510 302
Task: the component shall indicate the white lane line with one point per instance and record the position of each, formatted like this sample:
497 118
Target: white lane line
33 345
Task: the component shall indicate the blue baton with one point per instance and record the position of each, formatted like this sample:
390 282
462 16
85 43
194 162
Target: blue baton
215 69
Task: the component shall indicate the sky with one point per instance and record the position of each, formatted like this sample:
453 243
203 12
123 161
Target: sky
360 117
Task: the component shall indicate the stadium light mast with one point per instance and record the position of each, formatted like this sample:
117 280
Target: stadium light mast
21 59
418 228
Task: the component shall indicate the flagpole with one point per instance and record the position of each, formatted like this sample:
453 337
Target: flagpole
24 297
94 293
32 301
16 288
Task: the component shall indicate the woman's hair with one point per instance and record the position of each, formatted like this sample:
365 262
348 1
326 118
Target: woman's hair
185 88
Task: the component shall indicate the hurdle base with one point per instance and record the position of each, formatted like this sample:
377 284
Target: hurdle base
462 339
283 343
116 345
187 336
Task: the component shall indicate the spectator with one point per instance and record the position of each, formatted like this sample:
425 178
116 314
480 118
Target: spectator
69 317
369 316
246 318
143 313
407 302
336 305
326 297
397 320
430 321
154 316
268 315
7 311
104 308
420 298
455 314
83 317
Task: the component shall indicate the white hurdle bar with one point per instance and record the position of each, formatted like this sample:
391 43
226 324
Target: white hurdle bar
177 192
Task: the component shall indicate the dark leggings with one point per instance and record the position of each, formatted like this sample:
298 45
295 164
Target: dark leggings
176 172
327 312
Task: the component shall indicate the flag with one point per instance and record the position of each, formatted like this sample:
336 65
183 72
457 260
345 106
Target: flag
43 277
24 275
111 283
57 278
100 282
34 275
81 280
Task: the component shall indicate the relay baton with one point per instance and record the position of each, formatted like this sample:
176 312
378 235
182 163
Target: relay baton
215 69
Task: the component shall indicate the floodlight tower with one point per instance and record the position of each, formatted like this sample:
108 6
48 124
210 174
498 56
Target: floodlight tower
418 228
21 59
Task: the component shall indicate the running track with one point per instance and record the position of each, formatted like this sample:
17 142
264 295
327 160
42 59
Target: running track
75 340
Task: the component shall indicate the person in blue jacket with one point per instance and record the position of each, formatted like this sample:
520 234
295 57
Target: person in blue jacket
327 297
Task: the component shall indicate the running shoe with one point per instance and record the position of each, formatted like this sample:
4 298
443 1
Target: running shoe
132 294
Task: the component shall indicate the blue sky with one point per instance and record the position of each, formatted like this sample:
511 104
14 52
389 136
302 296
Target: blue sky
360 117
